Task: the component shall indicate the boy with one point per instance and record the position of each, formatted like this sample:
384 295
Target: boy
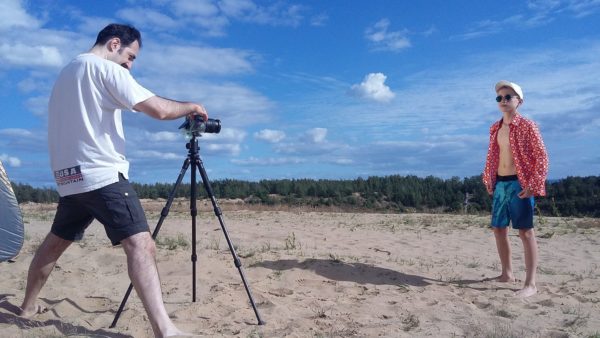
515 171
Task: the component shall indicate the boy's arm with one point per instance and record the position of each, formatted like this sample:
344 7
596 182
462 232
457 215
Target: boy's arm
490 162
539 172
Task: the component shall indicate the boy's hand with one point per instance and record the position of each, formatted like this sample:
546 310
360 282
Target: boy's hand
525 193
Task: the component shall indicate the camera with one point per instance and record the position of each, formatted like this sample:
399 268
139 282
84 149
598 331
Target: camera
197 125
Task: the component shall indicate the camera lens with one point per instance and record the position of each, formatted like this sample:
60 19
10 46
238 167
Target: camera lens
212 126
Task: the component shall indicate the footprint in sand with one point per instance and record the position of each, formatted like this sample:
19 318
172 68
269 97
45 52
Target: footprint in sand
281 292
481 305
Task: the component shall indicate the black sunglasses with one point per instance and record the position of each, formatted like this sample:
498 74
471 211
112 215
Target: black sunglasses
507 97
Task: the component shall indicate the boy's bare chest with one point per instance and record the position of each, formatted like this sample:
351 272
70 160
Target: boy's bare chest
503 138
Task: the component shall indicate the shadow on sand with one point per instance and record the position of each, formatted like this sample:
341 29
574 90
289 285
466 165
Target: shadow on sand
8 315
351 272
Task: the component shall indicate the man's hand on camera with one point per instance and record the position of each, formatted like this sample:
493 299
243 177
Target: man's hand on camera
200 111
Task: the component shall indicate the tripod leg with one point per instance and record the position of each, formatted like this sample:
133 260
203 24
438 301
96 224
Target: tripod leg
219 215
193 213
163 215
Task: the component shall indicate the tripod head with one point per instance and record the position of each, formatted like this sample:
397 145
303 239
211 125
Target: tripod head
197 126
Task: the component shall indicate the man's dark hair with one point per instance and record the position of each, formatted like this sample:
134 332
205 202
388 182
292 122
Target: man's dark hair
127 34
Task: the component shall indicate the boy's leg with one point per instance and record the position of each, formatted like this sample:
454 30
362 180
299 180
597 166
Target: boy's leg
521 210
530 247
141 264
503 245
500 222
41 266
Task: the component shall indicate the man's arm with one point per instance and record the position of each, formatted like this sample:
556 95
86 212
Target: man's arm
165 109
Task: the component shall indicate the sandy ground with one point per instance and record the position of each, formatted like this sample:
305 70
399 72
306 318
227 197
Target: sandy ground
317 274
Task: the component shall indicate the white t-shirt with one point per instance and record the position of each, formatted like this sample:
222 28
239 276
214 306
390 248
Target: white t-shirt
85 130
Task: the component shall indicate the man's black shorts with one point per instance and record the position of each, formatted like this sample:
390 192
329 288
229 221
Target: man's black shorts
116 206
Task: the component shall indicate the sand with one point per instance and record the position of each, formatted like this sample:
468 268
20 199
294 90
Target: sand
317 274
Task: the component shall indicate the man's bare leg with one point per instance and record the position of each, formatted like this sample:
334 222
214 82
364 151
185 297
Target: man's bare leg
40 268
503 246
530 247
141 264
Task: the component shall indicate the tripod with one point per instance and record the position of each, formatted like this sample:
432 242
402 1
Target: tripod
194 159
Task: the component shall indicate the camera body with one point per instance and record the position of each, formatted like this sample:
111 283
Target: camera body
197 126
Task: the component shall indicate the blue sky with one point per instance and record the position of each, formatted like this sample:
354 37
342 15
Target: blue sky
333 89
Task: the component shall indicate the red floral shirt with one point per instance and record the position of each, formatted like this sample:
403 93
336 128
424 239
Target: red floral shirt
529 155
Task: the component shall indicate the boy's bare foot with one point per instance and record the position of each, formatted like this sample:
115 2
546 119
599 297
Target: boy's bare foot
527 291
177 333
502 279
30 312
182 334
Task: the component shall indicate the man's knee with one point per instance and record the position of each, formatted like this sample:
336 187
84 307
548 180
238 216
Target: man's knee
139 242
54 244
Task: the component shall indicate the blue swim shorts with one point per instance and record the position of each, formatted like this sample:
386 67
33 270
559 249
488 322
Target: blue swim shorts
507 207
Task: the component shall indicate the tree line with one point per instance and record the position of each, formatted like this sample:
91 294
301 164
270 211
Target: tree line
571 196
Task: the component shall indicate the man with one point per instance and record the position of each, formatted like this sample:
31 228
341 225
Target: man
87 155
515 171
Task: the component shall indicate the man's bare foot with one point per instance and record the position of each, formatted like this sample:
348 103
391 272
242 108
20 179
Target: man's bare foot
527 291
30 312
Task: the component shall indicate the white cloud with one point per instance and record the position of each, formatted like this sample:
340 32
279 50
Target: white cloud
373 87
46 50
13 15
214 16
316 135
319 20
162 136
311 143
38 105
147 18
269 161
28 85
276 14
26 55
537 13
583 8
91 25
229 149
578 8
269 135
237 8
228 141
195 8
489 27
153 154
10 161
17 132
233 104
343 161
193 61
227 135
383 39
